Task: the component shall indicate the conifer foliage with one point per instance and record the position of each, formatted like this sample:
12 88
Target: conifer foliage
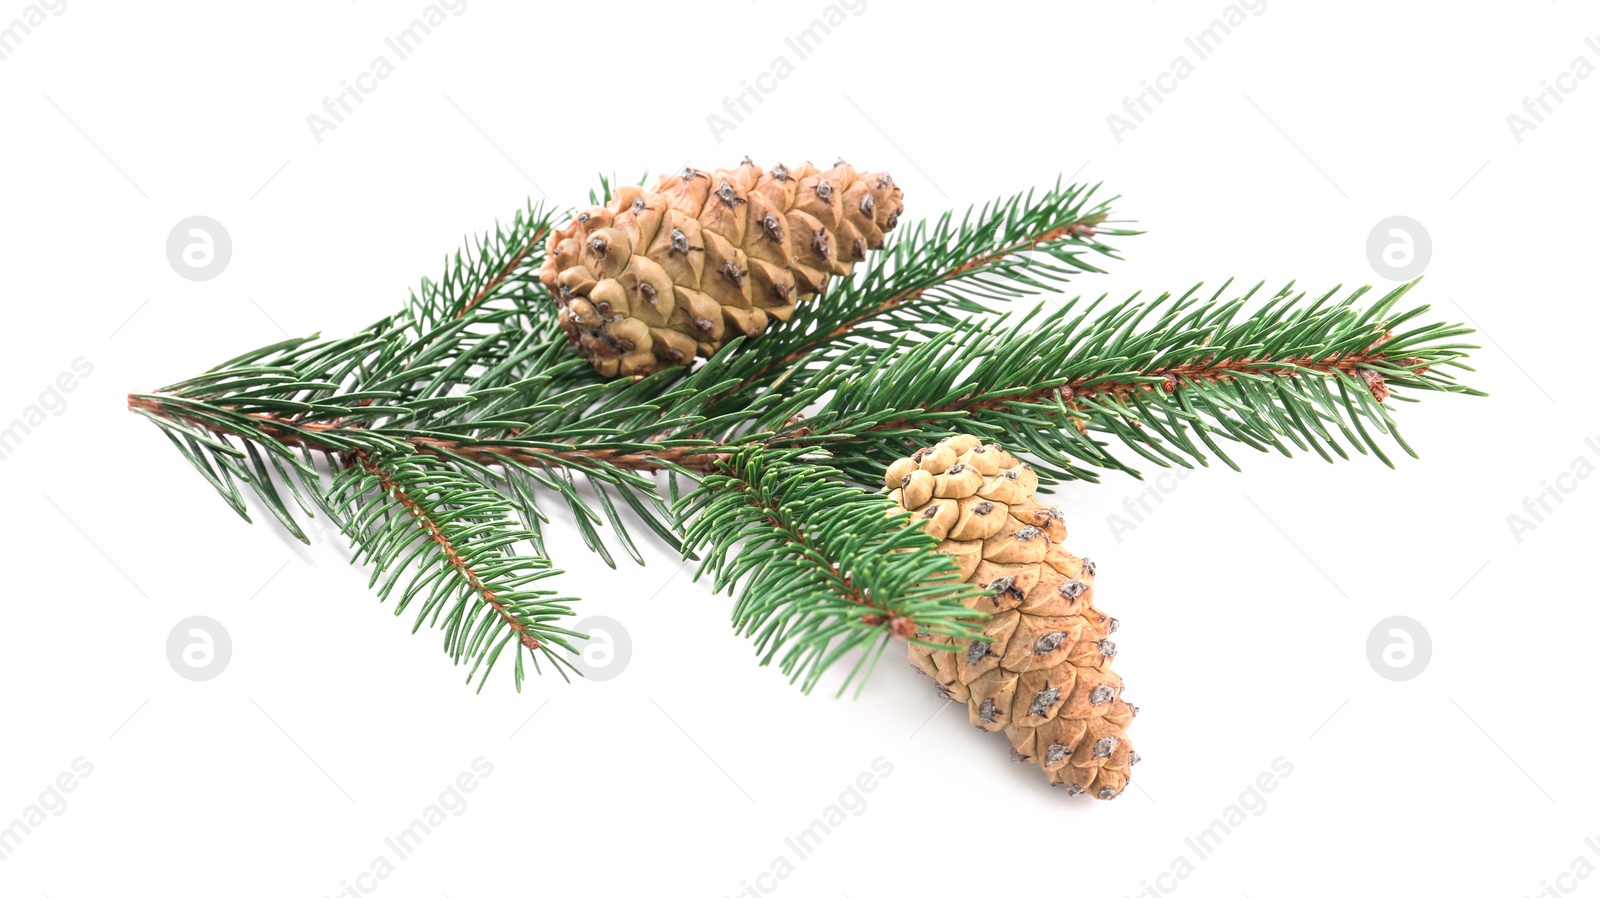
439 438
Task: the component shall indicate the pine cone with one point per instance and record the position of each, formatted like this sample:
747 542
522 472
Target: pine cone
658 277
1043 676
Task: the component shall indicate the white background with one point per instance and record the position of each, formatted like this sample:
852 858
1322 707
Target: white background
1246 599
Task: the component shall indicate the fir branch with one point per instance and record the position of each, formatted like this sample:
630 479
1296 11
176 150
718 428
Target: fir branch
826 567
477 328
406 510
502 264
1045 240
1164 378
316 436
931 277
452 555
451 419
525 245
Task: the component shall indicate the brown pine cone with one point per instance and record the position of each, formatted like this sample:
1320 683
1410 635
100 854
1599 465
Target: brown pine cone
658 277
1043 673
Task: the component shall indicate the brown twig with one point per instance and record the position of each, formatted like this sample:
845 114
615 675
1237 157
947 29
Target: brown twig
1174 377
499 279
304 435
431 527
898 625
707 458
1081 228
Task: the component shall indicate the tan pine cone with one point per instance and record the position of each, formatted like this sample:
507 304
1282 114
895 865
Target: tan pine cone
658 277
1043 677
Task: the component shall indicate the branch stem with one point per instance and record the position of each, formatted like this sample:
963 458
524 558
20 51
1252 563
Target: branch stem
703 459
494 282
898 625
1081 228
435 533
